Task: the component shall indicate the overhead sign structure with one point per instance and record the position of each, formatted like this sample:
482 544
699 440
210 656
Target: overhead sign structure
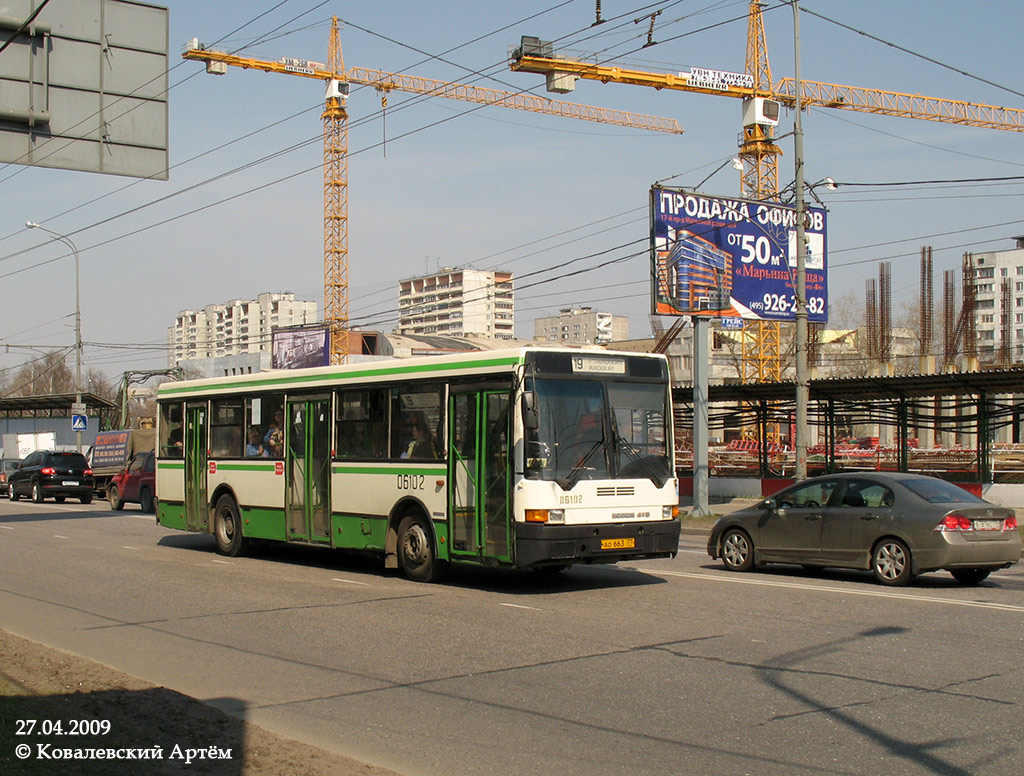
728 257
83 86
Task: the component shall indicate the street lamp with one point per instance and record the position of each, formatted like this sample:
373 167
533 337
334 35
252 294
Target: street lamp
78 319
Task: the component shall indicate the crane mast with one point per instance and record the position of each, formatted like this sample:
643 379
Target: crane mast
335 119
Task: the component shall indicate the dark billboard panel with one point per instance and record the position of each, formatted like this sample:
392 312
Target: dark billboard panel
300 347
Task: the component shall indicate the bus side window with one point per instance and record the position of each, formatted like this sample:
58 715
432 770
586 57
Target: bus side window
171 436
226 423
417 422
362 424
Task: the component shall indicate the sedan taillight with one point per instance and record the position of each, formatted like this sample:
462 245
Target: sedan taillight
88 472
47 470
955 522
1010 524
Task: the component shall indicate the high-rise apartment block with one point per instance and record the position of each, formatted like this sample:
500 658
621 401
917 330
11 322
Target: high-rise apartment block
581 325
458 303
999 305
238 326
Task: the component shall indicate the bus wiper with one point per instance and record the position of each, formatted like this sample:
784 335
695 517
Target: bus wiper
642 462
577 471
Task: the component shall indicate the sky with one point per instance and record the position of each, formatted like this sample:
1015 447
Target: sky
436 183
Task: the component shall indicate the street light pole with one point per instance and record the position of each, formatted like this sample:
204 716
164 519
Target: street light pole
802 382
78 318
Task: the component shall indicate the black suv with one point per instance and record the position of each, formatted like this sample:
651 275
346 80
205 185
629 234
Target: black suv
47 473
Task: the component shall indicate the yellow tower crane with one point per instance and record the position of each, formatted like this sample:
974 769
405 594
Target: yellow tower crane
335 121
761 100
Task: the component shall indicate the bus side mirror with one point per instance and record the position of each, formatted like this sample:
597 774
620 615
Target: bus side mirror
531 418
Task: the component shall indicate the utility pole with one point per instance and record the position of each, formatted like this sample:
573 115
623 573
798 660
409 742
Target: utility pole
802 388
78 319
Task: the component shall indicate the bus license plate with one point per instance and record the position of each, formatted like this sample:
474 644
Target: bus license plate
618 544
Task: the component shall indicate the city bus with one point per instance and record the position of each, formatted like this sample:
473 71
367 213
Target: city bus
528 458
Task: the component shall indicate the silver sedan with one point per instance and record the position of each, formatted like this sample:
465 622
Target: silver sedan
896 525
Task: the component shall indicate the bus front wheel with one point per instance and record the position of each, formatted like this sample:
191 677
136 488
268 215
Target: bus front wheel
416 555
227 528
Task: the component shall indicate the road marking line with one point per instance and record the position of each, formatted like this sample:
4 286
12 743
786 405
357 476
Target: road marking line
7 527
349 581
126 547
841 591
225 562
58 536
520 606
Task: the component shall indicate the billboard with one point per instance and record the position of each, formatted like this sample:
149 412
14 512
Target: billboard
733 257
299 347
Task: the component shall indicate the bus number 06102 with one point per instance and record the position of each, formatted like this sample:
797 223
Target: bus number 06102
411 481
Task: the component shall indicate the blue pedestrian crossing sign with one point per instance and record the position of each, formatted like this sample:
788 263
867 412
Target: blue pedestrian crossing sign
79 422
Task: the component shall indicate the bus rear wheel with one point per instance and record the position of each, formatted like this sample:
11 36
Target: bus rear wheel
227 529
416 555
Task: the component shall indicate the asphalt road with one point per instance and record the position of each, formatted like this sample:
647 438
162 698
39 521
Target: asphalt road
657 667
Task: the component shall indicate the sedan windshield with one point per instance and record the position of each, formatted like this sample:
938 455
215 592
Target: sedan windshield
592 429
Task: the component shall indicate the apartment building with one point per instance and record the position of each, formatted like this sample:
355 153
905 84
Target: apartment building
999 305
581 325
235 327
458 303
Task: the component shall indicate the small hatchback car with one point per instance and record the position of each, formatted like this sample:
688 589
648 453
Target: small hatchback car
7 465
896 525
47 473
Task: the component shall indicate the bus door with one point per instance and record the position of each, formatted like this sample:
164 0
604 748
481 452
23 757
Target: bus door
197 513
308 469
479 475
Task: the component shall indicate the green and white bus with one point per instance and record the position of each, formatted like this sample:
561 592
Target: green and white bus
525 458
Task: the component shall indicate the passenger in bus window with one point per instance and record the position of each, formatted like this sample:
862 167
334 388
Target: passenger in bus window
273 440
254 448
422 444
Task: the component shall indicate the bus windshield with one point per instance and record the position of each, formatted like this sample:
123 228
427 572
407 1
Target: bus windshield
596 430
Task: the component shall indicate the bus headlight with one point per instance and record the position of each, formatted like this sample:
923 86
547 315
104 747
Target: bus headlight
669 513
545 515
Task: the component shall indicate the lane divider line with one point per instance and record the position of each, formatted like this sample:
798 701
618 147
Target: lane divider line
841 591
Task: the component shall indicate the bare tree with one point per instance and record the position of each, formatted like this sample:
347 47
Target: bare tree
98 384
41 376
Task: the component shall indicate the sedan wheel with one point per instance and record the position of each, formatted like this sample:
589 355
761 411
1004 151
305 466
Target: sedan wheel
891 562
737 550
